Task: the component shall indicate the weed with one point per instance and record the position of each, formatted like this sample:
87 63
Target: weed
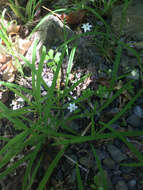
26 12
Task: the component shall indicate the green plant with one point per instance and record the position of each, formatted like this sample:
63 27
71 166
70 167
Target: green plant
49 117
103 6
10 48
26 13
52 60
102 92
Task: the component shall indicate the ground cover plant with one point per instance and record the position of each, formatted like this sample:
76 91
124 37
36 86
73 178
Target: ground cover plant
44 123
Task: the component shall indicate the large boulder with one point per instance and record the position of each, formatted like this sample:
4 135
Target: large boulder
51 33
132 20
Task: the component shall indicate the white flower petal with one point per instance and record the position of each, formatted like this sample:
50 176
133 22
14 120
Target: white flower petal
86 27
72 107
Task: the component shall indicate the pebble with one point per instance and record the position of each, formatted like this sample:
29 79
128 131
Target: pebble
115 179
118 143
115 153
121 185
109 163
138 111
126 170
134 121
132 184
101 154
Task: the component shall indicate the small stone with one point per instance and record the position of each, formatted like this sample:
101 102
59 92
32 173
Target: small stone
138 111
132 25
115 153
109 163
115 179
121 185
132 184
134 121
126 170
118 143
101 154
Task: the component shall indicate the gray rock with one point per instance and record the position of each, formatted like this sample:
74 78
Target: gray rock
132 23
138 111
121 185
132 184
115 153
126 170
115 179
109 163
118 143
134 121
52 32
101 154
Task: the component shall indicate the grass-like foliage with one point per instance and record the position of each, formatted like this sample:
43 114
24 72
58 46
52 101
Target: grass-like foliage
24 12
43 121
36 132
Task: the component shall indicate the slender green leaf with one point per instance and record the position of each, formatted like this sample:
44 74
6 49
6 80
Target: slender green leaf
50 169
79 180
29 166
14 166
103 178
35 171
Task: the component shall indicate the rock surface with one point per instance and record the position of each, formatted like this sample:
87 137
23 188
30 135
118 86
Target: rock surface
132 22
52 32
116 154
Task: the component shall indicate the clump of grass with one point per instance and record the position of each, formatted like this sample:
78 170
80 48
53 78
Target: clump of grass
49 118
26 12
9 47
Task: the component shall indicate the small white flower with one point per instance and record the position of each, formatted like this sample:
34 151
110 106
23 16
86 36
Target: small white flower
20 99
72 107
135 74
86 27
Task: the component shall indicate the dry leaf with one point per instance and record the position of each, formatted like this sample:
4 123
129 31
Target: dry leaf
13 28
75 17
8 72
72 18
24 46
2 58
86 83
